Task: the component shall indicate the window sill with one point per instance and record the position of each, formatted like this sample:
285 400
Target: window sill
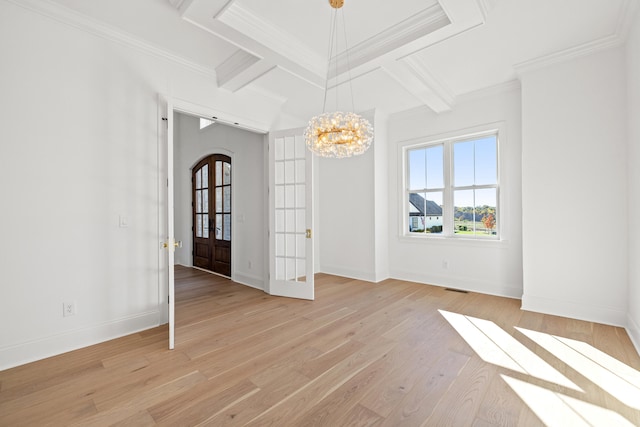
454 241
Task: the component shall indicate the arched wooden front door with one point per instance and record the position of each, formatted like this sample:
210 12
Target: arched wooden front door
211 183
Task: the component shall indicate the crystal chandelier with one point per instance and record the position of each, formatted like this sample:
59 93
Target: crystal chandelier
338 134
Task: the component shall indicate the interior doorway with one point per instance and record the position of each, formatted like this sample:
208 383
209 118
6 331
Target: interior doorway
211 209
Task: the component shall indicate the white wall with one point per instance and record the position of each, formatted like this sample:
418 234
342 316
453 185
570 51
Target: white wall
633 165
80 148
575 188
346 212
488 267
381 196
246 150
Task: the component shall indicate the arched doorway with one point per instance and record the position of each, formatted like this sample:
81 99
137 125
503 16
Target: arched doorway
211 187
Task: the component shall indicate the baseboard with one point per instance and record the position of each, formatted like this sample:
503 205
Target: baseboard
573 310
348 273
249 280
54 345
470 284
633 330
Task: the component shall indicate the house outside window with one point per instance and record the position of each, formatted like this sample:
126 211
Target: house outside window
451 187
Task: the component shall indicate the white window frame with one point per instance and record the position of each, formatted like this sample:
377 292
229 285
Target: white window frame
447 140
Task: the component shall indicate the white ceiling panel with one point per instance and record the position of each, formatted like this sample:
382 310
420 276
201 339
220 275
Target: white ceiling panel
402 53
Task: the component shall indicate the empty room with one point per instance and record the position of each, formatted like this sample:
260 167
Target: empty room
320 212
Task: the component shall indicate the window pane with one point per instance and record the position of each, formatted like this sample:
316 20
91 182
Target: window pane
300 148
486 212
280 269
291 245
218 173
205 176
301 273
198 225
279 149
199 178
425 212
291 269
486 167
279 172
205 201
289 196
464 214
289 171
218 227
218 199
226 177
279 244
198 201
226 205
300 196
300 246
290 221
300 220
463 173
416 216
227 227
280 196
280 221
435 167
300 171
289 147
417 173
205 226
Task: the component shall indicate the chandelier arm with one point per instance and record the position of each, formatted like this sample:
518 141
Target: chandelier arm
346 51
332 27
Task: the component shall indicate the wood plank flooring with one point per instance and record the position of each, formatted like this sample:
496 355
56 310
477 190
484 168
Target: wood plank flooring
362 354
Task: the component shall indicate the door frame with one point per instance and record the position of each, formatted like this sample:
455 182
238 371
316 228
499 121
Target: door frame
167 106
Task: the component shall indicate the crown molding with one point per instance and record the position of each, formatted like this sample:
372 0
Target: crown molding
413 28
92 26
247 22
617 38
575 52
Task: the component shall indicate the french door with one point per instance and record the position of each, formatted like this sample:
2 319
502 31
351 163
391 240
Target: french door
290 216
211 191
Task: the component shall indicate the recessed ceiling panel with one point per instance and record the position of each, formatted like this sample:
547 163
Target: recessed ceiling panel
308 21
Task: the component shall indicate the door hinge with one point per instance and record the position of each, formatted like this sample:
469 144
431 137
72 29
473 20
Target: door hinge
167 299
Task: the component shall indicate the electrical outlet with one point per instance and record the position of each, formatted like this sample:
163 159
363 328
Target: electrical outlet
445 264
69 308
250 265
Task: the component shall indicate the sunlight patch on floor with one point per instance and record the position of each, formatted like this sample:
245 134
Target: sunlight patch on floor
613 376
556 409
494 345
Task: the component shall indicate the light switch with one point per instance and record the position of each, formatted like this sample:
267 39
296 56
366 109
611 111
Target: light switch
123 221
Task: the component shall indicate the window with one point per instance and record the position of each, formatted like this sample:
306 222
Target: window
205 122
452 188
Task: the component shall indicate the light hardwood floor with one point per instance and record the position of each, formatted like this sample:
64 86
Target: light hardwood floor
362 354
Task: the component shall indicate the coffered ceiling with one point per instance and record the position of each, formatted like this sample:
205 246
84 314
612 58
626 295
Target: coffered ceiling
402 53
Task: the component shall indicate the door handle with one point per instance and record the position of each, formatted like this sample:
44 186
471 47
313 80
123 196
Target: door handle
176 244
308 233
